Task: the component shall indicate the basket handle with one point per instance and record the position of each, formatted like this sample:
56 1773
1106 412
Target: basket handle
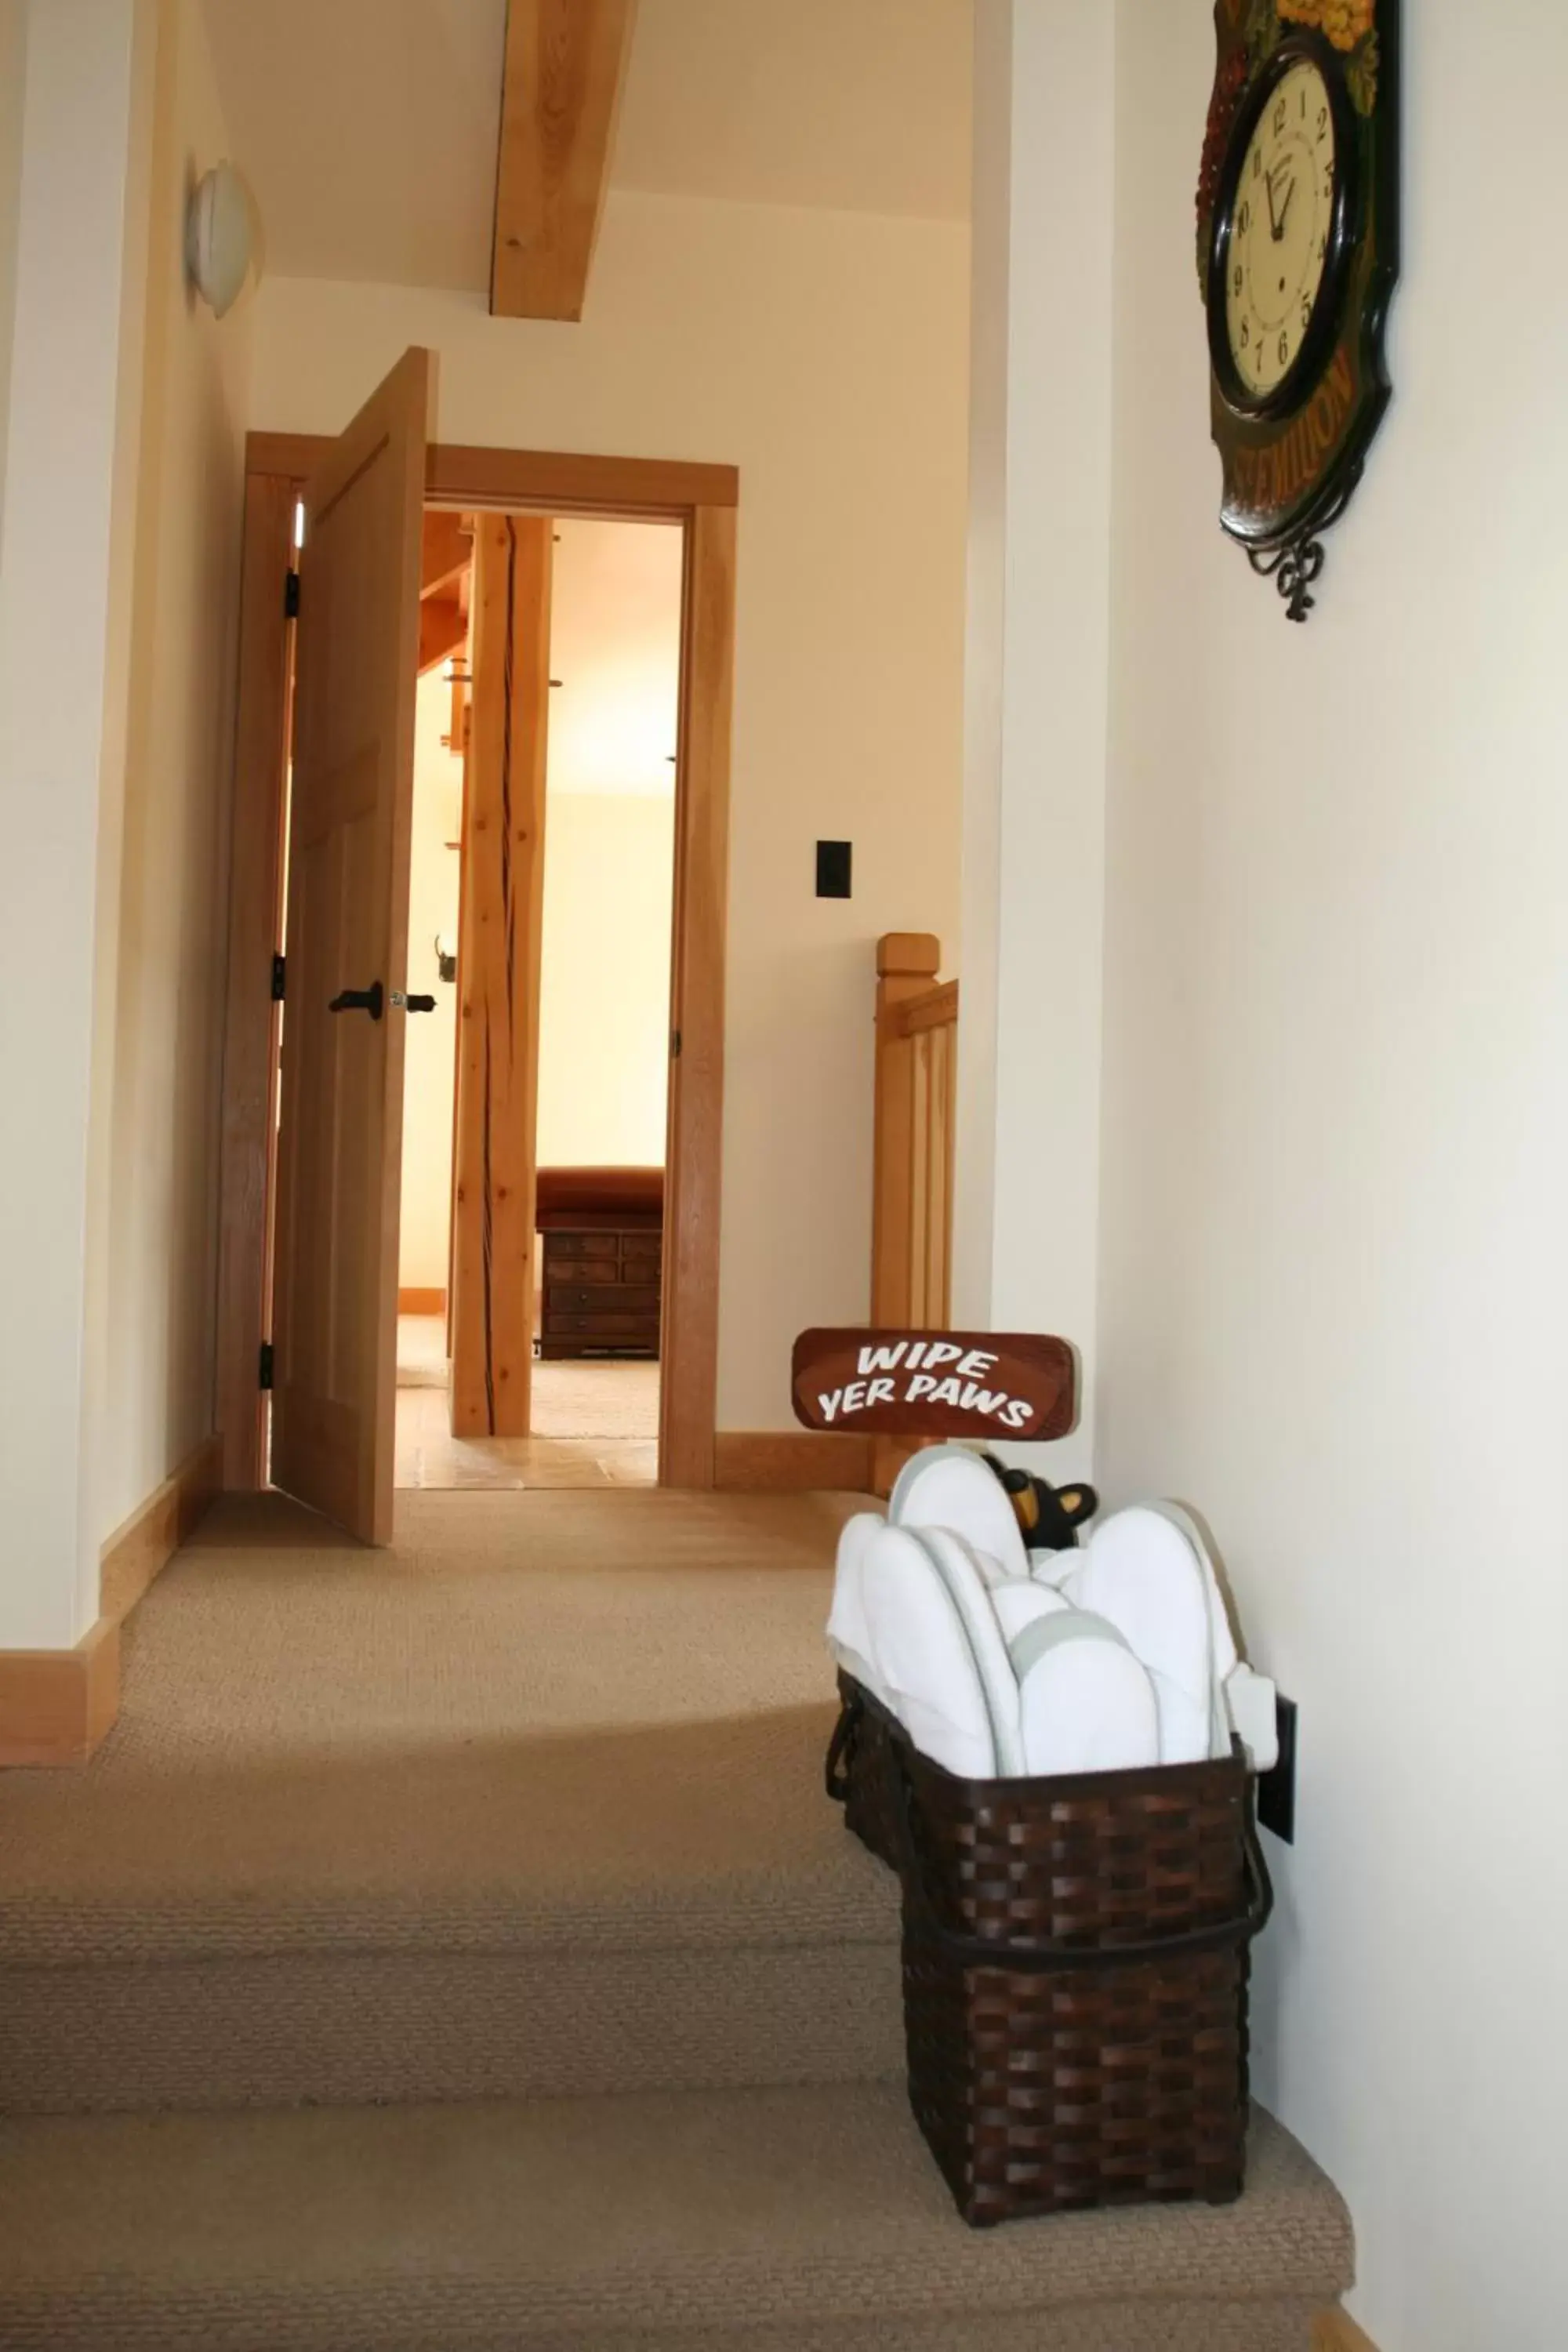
835 1771
985 1952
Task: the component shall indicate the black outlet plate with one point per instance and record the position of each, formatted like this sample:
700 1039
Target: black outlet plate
1277 1790
833 863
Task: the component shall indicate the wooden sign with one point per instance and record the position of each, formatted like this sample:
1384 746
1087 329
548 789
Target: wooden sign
935 1384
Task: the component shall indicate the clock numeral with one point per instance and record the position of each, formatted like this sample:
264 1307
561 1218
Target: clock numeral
1279 118
1245 222
1236 282
1284 346
1322 124
1246 335
1258 162
1306 311
1303 102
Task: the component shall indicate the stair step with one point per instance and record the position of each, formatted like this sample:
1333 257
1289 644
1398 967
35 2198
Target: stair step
772 2221
414 1826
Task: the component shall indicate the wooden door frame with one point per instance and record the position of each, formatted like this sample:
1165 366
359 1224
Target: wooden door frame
703 500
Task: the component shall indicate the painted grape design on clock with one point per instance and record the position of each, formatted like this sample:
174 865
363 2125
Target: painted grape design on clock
1298 255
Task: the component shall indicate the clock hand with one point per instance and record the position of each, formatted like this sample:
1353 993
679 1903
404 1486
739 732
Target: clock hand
1285 210
1273 223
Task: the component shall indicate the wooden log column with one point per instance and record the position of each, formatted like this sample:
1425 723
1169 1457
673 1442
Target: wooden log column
493 1200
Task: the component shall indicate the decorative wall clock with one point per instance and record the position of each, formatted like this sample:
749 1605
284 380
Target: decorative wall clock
1298 255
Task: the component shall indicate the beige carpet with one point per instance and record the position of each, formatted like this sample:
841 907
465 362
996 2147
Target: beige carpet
773 2218
483 1894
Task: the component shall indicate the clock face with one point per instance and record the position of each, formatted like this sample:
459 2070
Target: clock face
1281 229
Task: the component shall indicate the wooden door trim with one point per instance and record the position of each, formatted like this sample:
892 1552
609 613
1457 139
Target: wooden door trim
702 499
249 1114
636 490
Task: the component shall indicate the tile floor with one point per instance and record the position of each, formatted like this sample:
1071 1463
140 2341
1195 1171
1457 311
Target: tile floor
601 1418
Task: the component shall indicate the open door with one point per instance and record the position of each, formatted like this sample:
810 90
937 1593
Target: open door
356 658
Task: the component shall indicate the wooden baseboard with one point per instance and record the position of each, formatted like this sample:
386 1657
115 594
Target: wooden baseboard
57 1705
421 1302
140 1548
1336 2331
790 1460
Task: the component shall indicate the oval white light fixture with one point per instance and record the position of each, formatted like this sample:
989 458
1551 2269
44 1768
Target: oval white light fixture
218 239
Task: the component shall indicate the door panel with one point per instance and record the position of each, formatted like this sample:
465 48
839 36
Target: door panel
341 1128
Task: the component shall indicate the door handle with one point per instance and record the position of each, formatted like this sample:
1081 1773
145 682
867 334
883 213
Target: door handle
413 1004
359 1000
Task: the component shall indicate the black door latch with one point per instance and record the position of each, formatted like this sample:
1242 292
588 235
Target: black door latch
359 1000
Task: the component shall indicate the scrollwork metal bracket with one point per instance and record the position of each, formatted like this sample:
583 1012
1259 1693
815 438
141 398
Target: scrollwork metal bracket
1296 567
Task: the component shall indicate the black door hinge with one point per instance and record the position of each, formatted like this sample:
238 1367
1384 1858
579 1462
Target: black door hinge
264 1368
292 597
280 968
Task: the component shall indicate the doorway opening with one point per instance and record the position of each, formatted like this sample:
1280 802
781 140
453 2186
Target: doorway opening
330 641
610 617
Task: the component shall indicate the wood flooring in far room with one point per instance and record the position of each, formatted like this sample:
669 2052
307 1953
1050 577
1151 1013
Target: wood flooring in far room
595 1422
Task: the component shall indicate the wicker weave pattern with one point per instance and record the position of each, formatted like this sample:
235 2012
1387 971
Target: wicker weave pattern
1053 2083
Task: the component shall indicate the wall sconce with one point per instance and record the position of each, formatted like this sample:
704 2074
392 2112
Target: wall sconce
446 958
220 238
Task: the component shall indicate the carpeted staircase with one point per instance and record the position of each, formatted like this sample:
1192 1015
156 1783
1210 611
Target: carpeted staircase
452 1952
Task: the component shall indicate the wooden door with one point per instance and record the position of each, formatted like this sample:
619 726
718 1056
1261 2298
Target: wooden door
340 1127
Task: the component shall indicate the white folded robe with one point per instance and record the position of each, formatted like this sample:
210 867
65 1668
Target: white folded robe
949 1486
1086 1704
847 1637
1144 1571
922 1657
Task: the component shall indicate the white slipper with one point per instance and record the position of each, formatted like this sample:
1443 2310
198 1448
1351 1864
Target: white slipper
1227 1657
1086 1704
1252 1705
846 1635
949 1486
1141 1571
922 1657
975 1602
1019 1606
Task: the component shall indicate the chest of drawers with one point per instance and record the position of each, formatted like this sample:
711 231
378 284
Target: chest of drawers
601 1291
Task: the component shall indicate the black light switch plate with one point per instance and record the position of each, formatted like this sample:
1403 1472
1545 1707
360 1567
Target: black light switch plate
1277 1790
832 859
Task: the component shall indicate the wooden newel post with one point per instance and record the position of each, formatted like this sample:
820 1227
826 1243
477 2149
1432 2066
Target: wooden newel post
907 966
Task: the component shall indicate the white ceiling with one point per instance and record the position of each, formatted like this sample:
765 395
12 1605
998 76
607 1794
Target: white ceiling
367 128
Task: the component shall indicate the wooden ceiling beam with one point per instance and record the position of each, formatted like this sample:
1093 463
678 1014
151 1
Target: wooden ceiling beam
565 67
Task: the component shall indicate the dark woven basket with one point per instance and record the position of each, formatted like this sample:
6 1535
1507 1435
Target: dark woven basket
861 1774
1075 1965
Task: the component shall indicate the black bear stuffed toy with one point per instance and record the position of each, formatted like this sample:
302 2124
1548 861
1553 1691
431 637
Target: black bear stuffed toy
1050 1516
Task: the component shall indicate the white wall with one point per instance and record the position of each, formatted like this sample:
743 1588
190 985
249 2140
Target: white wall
67 545
826 355
609 844
431 1041
603 1028
1335 1149
1027 1162
172 944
